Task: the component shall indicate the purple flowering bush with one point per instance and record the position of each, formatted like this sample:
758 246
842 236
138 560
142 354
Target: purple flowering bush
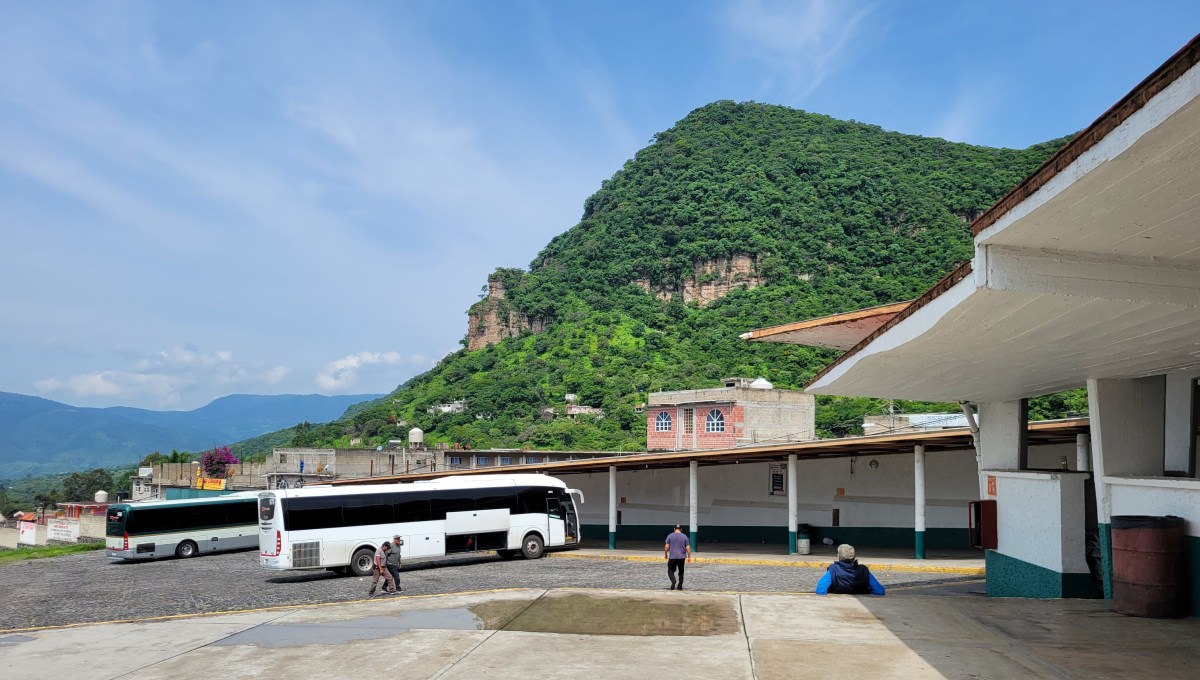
213 463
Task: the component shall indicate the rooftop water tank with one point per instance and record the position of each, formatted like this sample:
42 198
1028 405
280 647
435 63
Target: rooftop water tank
101 496
416 436
761 384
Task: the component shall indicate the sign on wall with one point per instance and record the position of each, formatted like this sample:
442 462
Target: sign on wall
778 479
27 533
62 530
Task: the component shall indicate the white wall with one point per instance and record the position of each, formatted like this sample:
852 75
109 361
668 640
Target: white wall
1040 519
1158 497
737 494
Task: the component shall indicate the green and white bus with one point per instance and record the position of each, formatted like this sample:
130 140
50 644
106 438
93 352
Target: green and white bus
184 528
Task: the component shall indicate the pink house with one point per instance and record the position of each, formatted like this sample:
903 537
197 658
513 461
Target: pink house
745 411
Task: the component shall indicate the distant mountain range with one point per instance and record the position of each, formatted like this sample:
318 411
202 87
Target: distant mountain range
39 436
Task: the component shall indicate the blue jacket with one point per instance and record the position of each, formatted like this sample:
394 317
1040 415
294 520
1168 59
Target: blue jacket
849 577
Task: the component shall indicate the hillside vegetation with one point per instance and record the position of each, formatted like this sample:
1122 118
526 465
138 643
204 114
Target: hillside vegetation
787 215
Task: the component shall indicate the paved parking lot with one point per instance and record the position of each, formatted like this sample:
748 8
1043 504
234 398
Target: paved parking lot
87 587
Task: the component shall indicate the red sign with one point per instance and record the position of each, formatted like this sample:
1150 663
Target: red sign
991 485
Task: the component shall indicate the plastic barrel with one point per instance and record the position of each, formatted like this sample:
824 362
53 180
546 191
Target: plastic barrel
1149 572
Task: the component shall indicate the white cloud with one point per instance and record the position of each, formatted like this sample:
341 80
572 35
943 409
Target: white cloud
798 42
166 378
343 373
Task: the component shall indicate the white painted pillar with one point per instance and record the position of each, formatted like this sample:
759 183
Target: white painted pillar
919 499
1083 452
612 507
693 501
793 504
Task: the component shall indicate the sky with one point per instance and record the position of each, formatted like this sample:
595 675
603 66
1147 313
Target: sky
208 198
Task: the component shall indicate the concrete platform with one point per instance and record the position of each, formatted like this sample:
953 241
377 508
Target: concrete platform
576 634
931 632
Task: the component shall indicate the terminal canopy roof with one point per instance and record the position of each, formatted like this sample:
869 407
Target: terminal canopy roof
1090 268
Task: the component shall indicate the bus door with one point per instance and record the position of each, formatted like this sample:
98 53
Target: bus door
571 515
556 513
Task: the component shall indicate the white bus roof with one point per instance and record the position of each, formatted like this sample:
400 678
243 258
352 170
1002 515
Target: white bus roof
459 482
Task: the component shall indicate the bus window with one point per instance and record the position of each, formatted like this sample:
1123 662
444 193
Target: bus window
115 525
266 508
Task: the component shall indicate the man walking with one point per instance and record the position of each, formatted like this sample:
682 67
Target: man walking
380 569
393 562
677 550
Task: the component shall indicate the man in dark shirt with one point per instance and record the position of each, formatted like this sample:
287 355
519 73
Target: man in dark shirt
847 576
677 550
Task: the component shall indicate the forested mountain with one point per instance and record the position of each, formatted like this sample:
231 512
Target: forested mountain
39 436
738 217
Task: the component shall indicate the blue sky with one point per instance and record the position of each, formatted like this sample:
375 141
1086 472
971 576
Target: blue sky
202 199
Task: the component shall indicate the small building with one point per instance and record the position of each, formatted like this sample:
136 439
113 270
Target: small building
912 422
141 485
744 411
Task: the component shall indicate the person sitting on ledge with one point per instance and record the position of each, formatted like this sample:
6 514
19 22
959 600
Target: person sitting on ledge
847 576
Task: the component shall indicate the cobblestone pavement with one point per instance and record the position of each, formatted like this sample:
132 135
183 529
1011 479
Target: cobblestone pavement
87 587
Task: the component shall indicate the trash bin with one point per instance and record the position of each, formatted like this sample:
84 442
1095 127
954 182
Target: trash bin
803 545
1148 568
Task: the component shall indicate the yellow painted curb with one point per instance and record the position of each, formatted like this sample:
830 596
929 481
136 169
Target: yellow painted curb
804 564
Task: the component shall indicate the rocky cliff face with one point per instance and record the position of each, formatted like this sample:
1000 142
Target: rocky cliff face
491 320
711 281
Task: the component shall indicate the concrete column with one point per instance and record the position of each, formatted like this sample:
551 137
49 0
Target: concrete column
1127 417
693 501
1083 452
1178 431
793 503
612 507
1000 435
919 498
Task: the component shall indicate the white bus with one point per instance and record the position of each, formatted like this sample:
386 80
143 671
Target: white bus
339 527
184 527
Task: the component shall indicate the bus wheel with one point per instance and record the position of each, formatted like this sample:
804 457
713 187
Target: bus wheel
186 549
362 562
506 554
533 546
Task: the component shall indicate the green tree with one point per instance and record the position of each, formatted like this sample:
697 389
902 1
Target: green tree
82 486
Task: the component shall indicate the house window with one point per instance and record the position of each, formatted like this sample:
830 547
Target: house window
456 460
662 422
484 460
505 460
714 421
688 421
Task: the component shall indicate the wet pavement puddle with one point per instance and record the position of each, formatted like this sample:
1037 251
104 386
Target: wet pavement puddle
14 640
368 628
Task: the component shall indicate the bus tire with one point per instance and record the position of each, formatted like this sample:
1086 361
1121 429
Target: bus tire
532 547
506 554
186 549
362 562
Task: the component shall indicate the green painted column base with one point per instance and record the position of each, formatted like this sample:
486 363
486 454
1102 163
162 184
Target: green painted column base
792 543
1105 531
1010 577
695 543
920 545
612 540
